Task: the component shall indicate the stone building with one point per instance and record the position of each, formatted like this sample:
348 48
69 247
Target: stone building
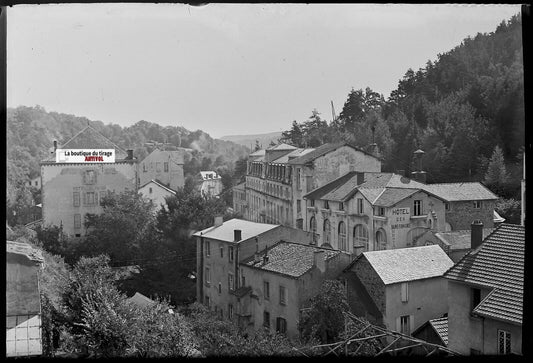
220 249
164 166
71 190
278 177
279 281
485 293
371 211
156 193
210 183
400 289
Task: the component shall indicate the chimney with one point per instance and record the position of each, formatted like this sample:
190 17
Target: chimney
476 234
318 260
419 176
55 145
360 178
218 221
237 235
130 154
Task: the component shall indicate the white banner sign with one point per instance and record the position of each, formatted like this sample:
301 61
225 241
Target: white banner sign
85 155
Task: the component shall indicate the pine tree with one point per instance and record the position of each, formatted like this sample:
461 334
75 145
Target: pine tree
496 172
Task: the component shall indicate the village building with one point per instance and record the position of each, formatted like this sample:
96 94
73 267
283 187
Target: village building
278 177
220 250
210 183
72 190
156 193
164 166
23 303
485 293
372 211
399 289
279 281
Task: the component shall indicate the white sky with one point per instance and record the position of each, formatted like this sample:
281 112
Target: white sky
226 69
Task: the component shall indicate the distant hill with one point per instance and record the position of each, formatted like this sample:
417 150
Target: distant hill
249 140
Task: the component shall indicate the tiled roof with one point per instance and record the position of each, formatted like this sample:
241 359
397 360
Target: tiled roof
89 138
460 239
25 249
498 263
260 152
225 231
441 327
322 150
288 258
336 189
293 154
282 147
453 192
408 264
391 196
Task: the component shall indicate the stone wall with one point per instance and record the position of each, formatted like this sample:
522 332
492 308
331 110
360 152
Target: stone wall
461 214
372 282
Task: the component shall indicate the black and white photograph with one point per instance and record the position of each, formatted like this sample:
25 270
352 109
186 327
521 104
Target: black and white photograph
250 180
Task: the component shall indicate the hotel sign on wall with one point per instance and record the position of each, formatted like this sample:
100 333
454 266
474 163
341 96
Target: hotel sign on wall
85 155
400 222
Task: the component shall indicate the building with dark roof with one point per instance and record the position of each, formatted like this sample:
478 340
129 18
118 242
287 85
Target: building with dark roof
279 282
400 289
485 294
72 190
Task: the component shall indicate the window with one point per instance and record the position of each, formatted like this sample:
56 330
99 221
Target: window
165 166
360 206
417 208
266 290
477 204
312 228
231 282
504 342
89 177
298 206
230 311
298 176
379 211
327 232
326 204
221 251
144 168
230 253
282 295
404 325
405 292
342 237
266 319
360 236
312 202
341 206
381 240
207 248
150 190
76 198
207 302
281 325
447 206
89 198
77 221
207 275
476 297
219 288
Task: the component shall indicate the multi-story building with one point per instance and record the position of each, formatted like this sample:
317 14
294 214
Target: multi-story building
278 177
371 211
485 293
71 190
239 199
400 289
210 183
156 193
222 247
279 281
164 166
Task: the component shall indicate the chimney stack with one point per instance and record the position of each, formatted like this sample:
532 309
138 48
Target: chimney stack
419 175
237 235
55 145
218 221
318 260
476 234
130 154
360 178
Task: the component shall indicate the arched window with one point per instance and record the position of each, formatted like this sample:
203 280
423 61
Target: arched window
342 237
360 236
327 232
381 239
312 228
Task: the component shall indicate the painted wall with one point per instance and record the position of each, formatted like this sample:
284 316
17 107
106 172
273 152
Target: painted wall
152 167
461 214
60 181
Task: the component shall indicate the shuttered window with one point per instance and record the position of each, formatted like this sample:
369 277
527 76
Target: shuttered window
76 199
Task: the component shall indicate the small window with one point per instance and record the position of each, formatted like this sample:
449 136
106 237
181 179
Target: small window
144 168
476 297
207 249
312 202
165 166
405 292
266 319
219 288
266 290
404 325
360 206
76 199
89 177
282 295
89 198
343 246
417 208
207 275
230 253
221 251
504 342
477 204
447 207
379 211
341 206
230 311
281 325
326 204
150 190
208 302
77 221
231 282
298 206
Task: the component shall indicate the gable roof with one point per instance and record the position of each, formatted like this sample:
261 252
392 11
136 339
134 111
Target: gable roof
454 192
440 326
407 264
89 138
323 150
282 147
225 231
156 183
288 258
498 263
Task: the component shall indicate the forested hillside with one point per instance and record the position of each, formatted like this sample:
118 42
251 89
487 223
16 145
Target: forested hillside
456 108
32 130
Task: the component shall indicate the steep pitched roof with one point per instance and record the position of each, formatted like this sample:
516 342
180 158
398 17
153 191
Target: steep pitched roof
225 231
497 263
440 326
291 259
407 264
156 183
453 192
337 188
323 150
89 138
